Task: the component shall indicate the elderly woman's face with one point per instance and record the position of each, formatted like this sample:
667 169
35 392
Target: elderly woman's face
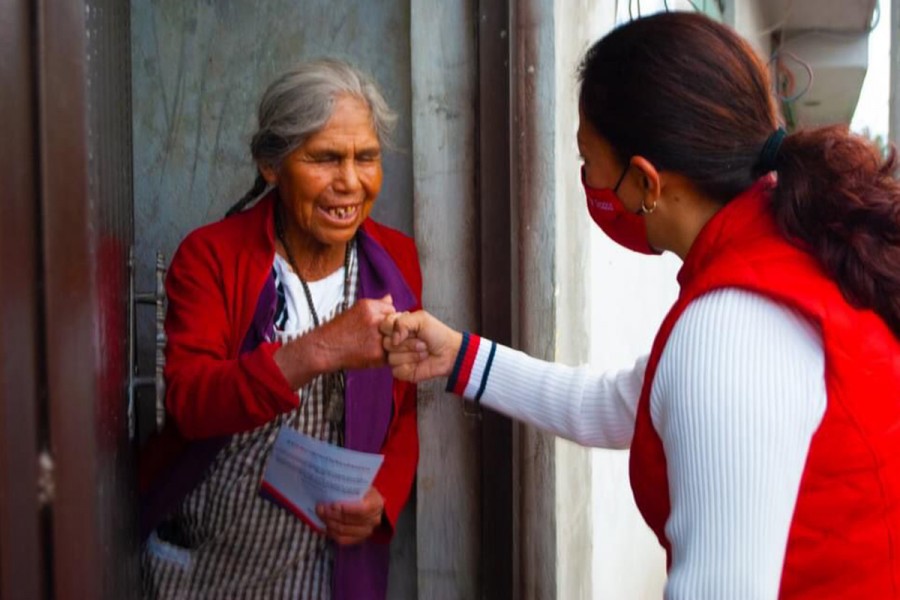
329 184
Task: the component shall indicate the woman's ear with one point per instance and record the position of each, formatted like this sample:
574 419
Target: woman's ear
649 180
268 173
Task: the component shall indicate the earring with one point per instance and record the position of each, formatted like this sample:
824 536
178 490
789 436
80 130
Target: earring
645 209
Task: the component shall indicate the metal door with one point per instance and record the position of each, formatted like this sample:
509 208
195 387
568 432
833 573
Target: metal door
66 235
20 344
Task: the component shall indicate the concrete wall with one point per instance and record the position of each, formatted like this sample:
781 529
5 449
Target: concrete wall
444 88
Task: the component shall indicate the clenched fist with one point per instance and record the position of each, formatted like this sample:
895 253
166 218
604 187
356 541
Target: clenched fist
419 346
351 340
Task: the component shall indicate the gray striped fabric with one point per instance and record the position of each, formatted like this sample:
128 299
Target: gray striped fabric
226 541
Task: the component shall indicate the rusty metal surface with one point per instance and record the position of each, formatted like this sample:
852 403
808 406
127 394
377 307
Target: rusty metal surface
495 288
21 572
534 265
85 150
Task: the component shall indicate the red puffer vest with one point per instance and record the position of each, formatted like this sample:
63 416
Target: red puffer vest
844 540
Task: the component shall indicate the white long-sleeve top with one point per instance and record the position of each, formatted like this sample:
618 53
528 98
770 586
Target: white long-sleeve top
738 393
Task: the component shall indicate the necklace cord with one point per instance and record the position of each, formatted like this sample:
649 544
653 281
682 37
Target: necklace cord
333 383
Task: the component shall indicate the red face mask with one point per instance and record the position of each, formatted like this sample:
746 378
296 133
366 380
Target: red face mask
622 226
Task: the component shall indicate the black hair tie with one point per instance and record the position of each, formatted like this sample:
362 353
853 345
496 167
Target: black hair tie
768 156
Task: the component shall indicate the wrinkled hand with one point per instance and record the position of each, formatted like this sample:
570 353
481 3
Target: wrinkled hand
419 346
353 338
350 523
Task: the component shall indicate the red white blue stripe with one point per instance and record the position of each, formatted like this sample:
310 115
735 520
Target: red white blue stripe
472 367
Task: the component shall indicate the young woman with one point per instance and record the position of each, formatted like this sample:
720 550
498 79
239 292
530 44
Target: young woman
764 426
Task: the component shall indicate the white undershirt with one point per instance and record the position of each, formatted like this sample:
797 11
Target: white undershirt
739 392
327 295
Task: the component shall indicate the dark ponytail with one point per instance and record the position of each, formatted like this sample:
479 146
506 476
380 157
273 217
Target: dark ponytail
840 198
259 186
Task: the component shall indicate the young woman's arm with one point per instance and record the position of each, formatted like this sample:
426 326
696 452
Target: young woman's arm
572 402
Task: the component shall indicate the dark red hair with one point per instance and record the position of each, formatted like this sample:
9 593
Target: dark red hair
691 96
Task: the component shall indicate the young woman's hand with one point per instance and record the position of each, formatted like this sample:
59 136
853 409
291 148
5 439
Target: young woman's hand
419 346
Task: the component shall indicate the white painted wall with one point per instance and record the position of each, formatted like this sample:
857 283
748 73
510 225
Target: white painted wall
630 296
574 497
751 23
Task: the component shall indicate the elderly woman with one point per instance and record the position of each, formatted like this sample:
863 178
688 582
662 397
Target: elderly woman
273 323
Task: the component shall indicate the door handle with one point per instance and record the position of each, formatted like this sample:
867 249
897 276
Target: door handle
157 380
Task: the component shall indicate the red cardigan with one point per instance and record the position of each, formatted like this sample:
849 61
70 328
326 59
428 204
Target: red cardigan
844 540
214 390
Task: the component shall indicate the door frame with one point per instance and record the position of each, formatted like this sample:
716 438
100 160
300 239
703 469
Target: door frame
21 547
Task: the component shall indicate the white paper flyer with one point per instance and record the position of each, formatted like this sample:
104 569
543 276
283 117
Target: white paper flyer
303 472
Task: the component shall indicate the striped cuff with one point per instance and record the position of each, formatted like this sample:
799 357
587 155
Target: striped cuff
472 367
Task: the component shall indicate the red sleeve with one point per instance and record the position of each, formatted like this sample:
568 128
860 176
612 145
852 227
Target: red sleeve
210 393
401 456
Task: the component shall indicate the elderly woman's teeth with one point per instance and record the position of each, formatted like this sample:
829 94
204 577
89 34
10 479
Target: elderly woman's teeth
340 212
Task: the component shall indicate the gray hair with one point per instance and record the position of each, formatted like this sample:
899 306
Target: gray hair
299 103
